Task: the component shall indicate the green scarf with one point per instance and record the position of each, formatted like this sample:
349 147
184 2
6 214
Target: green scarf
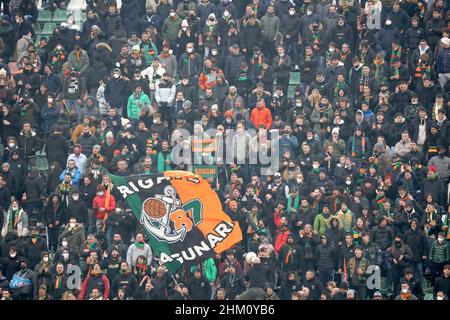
139 245
162 157
296 203
12 218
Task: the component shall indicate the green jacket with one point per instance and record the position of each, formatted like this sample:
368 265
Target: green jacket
80 63
209 269
320 224
270 26
133 110
150 52
439 253
170 29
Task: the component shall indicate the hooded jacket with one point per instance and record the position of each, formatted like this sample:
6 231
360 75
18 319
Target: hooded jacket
261 116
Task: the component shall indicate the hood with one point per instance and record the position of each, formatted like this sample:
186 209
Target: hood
103 45
330 225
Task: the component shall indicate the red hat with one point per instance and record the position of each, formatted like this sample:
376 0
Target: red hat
166 44
388 176
432 169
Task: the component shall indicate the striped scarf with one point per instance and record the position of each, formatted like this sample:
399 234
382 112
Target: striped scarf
395 56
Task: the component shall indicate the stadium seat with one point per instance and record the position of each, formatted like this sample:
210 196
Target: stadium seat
41 161
59 16
295 78
48 29
428 296
44 16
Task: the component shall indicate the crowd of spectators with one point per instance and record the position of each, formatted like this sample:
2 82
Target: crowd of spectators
358 92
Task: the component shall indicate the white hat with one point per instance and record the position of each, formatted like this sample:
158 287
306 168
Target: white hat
335 130
446 41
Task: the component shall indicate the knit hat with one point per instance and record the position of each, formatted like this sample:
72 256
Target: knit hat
109 135
446 41
187 103
136 48
166 44
432 169
184 23
335 130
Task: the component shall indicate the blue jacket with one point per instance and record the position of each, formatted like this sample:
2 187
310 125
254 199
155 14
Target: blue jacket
49 118
75 176
443 61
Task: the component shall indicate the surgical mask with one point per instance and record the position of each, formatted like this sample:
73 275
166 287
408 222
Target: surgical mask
64 243
291 13
172 14
65 255
315 166
348 182
75 198
100 193
50 100
331 49
13 255
439 298
404 291
226 14
214 52
388 22
45 259
58 47
72 225
309 13
441 240
11 145
184 28
189 50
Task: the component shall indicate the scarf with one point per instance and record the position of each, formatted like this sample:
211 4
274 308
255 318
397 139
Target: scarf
379 67
288 257
420 71
339 86
395 56
363 146
139 245
164 55
405 296
396 165
141 268
58 281
296 203
13 219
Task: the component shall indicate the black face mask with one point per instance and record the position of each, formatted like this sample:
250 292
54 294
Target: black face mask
398 244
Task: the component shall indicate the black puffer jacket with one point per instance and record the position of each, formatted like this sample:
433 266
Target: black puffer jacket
382 236
34 186
418 243
325 257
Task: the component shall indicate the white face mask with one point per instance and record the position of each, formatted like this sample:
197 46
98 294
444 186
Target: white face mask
72 225
172 14
50 100
45 259
404 291
100 193
184 28
116 75
291 13
388 22
64 243
214 53
331 49
11 145
439 298
75 198
58 47
309 13
348 183
440 240
189 50
65 255
315 166
15 208
226 14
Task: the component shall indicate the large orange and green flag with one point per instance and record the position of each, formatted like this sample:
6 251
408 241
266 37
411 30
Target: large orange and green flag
182 215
